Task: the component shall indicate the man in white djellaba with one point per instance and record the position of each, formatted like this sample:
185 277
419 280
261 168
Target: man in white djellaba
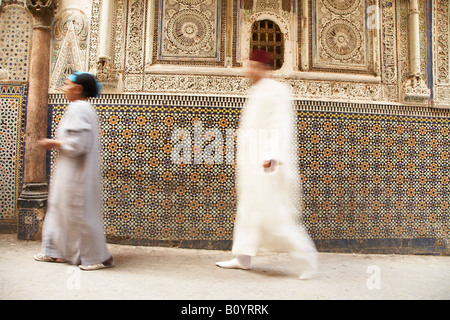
73 226
268 186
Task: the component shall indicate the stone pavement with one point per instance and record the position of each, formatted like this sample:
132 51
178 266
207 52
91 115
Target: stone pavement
186 274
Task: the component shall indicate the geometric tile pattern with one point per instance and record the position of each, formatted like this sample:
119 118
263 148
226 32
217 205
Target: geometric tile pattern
146 195
12 103
15 39
370 176
189 31
365 176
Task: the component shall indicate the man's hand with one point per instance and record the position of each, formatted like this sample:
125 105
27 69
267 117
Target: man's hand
269 165
50 144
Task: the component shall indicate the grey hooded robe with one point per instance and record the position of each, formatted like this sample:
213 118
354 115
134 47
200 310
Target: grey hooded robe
73 226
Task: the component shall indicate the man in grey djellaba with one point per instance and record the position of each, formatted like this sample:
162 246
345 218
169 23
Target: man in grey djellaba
73 227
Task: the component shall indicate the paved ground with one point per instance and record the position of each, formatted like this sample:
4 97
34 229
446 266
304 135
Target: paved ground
185 274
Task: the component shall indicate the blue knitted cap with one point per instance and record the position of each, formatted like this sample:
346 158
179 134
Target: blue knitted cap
91 87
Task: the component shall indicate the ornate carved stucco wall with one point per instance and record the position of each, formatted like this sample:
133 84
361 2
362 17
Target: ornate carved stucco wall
373 157
160 46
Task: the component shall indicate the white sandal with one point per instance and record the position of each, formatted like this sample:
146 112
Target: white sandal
107 264
41 258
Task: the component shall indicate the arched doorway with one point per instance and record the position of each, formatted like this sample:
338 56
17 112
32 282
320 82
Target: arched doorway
266 35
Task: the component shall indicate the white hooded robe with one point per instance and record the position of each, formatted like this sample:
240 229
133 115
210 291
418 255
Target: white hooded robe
268 204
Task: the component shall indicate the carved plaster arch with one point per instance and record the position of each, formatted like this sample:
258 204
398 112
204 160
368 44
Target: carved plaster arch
286 29
70 31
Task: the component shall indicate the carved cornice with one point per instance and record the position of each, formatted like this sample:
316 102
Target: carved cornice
43 12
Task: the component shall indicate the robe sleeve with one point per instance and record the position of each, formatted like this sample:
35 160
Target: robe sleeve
277 114
78 134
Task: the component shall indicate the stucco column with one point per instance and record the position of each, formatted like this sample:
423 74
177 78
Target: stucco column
32 202
229 35
104 45
304 58
413 38
414 90
105 69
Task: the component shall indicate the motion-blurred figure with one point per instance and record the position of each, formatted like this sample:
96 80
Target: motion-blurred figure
73 227
268 185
